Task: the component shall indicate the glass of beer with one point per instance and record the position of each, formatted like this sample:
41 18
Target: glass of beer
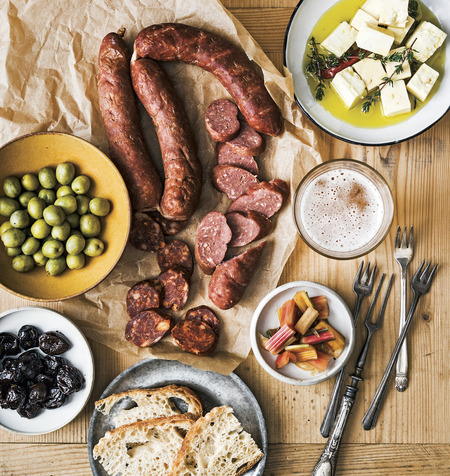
343 209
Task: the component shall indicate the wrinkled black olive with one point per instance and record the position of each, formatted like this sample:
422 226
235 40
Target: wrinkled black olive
28 337
15 396
2 350
47 379
10 343
37 392
3 389
12 371
55 399
53 343
52 364
69 379
31 363
30 410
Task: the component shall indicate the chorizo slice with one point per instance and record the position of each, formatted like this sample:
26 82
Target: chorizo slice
142 296
176 253
213 236
231 278
221 120
231 66
148 327
194 336
127 147
146 234
227 156
182 168
247 227
176 288
233 181
169 227
248 141
206 315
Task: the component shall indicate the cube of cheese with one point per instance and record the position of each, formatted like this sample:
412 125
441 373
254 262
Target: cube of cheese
392 65
427 39
400 33
362 18
395 99
372 7
375 39
349 87
393 13
371 72
421 84
340 40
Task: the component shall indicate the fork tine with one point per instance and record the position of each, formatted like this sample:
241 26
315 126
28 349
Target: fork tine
397 237
372 276
419 270
430 278
366 274
358 274
411 238
383 306
403 245
425 271
372 304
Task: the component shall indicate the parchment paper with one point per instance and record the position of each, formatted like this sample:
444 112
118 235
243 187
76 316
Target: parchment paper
48 68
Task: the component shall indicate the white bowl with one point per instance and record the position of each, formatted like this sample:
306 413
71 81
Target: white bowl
265 317
306 14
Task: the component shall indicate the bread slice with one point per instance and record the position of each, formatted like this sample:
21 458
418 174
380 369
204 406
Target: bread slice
143 448
151 403
216 445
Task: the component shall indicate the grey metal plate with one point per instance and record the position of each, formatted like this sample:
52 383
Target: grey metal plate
212 388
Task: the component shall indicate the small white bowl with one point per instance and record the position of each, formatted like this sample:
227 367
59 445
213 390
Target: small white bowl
265 317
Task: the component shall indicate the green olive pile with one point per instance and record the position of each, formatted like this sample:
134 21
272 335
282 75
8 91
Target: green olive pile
52 221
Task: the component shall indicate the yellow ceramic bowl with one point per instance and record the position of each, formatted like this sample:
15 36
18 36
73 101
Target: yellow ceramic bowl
29 154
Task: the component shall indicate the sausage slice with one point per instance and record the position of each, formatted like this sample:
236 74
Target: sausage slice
233 181
142 296
247 227
148 327
248 141
176 253
176 288
206 315
195 337
227 156
221 120
146 234
169 227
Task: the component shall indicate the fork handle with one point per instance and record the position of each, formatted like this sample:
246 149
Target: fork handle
401 376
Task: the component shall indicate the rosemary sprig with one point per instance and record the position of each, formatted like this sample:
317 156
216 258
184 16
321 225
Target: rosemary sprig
316 64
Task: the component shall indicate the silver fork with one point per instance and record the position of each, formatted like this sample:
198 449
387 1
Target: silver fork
420 284
403 254
362 287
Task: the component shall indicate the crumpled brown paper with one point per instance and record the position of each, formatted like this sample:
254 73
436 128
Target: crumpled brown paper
48 67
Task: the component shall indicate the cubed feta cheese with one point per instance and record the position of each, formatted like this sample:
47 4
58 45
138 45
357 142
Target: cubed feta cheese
400 33
392 65
421 84
375 39
395 99
340 40
427 39
393 12
362 18
372 7
349 87
371 72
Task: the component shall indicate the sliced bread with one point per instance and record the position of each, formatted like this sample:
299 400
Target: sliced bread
216 445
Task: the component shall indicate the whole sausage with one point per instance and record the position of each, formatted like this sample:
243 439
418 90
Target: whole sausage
195 337
142 296
231 180
176 253
227 156
221 120
127 146
182 169
177 41
148 327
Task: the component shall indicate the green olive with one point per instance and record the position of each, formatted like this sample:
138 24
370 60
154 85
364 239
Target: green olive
13 237
5 226
40 229
94 247
20 219
11 186
49 196
30 182
55 266
8 206
53 215
13 251
39 258
64 190
47 177
23 263
36 207
67 203
25 198
30 246
61 232
90 225
75 261
74 220
99 207
75 244
65 173
52 249
81 184
83 204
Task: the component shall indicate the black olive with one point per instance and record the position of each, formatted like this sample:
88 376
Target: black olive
47 379
31 363
55 399
37 392
52 364
28 337
3 389
10 343
12 371
2 350
53 343
30 410
69 379
15 396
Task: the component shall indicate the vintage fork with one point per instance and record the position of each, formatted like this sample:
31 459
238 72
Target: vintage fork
326 465
420 285
403 254
362 287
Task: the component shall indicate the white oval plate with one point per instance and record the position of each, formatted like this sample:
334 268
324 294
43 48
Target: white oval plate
265 317
306 14
79 355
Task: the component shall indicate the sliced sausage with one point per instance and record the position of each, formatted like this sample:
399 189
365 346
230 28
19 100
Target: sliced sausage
169 227
213 236
146 234
176 288
195 337
176 253
182 169
148 327
248 141
142 296
247 227
221 120
227 156
282 187
127 148
231 278
206 315
176 41
231 180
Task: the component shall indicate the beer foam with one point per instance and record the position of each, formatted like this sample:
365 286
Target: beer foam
341 210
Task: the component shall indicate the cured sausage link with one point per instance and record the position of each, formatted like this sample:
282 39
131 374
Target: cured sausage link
182 169
127 147
176 41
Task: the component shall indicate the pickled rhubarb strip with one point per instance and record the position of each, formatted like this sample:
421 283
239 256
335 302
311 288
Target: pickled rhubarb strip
313 339
321 362
305 322
279 339
321 305
288 314
284 358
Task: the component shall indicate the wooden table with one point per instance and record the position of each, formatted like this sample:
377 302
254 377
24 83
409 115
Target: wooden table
413 433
